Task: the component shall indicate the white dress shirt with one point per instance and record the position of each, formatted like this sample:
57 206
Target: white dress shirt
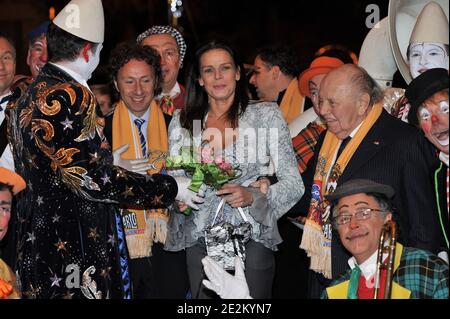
173 92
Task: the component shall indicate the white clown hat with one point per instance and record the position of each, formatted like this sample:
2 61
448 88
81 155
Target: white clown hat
402 16
431 25
376 55
84 19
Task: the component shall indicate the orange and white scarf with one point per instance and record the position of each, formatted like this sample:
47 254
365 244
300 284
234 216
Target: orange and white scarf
316 240
292 103
142 227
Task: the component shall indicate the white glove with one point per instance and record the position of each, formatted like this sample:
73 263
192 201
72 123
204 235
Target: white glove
187 196
140 166
444 256
224 284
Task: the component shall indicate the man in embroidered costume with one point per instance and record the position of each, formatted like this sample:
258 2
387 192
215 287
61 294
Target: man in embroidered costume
428 96
428 49
10 185
171 47
275 79
364 141
360 209
71 242
138 122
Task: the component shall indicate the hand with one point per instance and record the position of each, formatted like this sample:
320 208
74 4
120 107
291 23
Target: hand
182 206
140 166
224 284
263 185
238 196
187 196
5 289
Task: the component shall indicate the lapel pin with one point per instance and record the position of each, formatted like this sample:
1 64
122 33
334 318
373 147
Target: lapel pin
376 143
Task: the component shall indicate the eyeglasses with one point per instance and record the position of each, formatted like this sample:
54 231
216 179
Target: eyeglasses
360 214
4 211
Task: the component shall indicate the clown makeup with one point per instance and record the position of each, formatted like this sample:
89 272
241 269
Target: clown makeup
94 60
433 119
5 211
37 55
425 56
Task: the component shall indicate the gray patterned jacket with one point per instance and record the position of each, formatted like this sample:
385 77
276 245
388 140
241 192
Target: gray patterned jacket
263 137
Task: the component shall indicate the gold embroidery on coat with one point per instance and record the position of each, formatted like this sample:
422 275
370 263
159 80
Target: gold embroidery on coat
90 120
54 106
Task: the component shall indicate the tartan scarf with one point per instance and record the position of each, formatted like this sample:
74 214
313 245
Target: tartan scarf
292 103
316 240
305 142
142 226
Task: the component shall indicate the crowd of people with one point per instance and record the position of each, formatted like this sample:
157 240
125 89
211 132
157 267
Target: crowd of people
323 162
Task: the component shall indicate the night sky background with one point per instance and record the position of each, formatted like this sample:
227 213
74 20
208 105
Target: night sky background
249 24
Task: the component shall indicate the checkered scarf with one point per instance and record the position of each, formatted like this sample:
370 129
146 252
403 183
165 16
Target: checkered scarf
304 144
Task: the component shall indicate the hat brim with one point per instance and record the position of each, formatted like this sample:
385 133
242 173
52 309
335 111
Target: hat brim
11 178
385 190
307 75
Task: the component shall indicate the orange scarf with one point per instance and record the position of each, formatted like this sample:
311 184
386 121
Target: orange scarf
142 227
292 103
125 132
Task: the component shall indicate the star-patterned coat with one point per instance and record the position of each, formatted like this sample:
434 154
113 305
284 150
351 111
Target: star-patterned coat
68 236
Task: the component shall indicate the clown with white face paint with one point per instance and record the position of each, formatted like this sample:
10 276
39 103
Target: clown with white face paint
428 95
426 56
429 41
428 49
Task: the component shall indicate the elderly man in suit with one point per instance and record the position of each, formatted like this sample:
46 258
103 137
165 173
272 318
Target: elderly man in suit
363 141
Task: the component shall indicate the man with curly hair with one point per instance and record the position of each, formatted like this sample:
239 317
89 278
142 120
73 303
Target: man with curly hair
137 129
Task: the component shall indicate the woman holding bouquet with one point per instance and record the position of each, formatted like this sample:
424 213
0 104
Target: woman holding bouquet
218 118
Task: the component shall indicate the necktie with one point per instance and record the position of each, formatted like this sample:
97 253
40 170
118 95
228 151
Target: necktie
139 123
342 146
354 283
166 105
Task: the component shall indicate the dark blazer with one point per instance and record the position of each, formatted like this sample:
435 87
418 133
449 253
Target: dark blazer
397 154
